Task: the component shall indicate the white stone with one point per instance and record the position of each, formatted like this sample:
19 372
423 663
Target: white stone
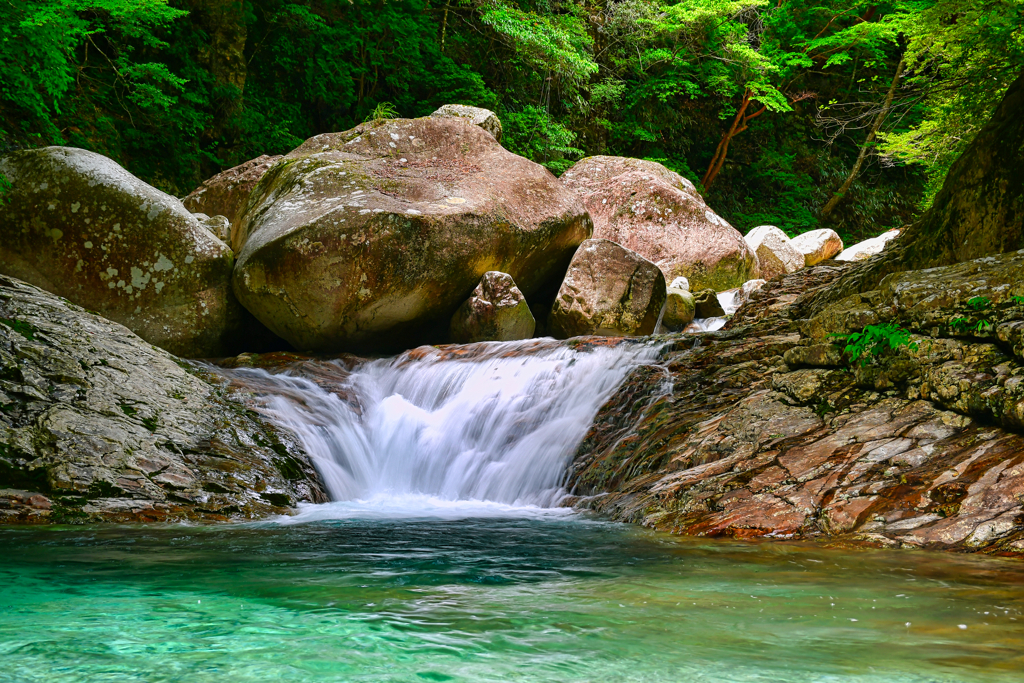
775 254
818 245
867 248
680 283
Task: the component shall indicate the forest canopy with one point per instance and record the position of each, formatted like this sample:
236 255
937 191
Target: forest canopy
797 113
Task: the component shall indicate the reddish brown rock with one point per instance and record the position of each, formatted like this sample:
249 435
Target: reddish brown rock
658 214
226 193
608 290
497 311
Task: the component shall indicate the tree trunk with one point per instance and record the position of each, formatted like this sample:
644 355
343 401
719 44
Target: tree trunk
739 124
872 133
978 212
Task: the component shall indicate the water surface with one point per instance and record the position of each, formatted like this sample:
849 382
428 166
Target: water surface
491 593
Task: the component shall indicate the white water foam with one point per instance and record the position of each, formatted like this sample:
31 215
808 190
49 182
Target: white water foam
488 430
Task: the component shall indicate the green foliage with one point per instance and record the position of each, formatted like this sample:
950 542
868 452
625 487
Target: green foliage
532 133
382 112
979 303
873 341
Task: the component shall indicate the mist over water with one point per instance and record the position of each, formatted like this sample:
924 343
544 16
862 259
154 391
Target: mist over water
490 426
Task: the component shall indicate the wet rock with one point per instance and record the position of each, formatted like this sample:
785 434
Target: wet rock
747 290
372 238
818 245
478 116
78 225
867 248
608 290
98 425
226 193
707 305
658 214
497 311
680 308
775 254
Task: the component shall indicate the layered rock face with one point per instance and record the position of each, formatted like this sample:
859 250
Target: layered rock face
766 428
226 193
78 225
775 254
373 237
98 425
608 290
658 214
497 311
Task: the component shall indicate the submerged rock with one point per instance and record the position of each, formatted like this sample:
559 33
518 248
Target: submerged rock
478 116
818 245
98 425
78 225
775 254
497 311
372 238
608 290
658 214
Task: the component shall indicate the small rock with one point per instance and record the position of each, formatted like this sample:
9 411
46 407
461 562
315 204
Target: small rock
485 118
680 308
706 305
680 283
608 290
774 252
747 289
818 245
497 311
226 193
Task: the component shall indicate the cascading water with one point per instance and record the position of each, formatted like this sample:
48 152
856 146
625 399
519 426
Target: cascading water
494 422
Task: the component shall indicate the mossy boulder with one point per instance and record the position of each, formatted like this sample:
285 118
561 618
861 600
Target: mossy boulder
77 224
371 239
608 290
658 214
680 308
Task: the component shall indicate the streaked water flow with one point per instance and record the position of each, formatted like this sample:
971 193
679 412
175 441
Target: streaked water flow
495 422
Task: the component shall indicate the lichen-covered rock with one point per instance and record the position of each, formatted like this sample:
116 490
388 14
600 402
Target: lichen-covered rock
658 214
608 290
867 248
707 304
775 254
496 311
78 225
818 245
372 238
226 193
98 425
680 308
478 116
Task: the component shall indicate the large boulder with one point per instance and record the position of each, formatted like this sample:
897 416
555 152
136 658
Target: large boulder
497 311
658 214
775 254
608 290
371 238
98 425
78 225
226 193
818 245
478 116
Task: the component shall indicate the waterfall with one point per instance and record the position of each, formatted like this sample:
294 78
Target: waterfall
495 422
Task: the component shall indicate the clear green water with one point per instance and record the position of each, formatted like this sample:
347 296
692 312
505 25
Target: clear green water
538 599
